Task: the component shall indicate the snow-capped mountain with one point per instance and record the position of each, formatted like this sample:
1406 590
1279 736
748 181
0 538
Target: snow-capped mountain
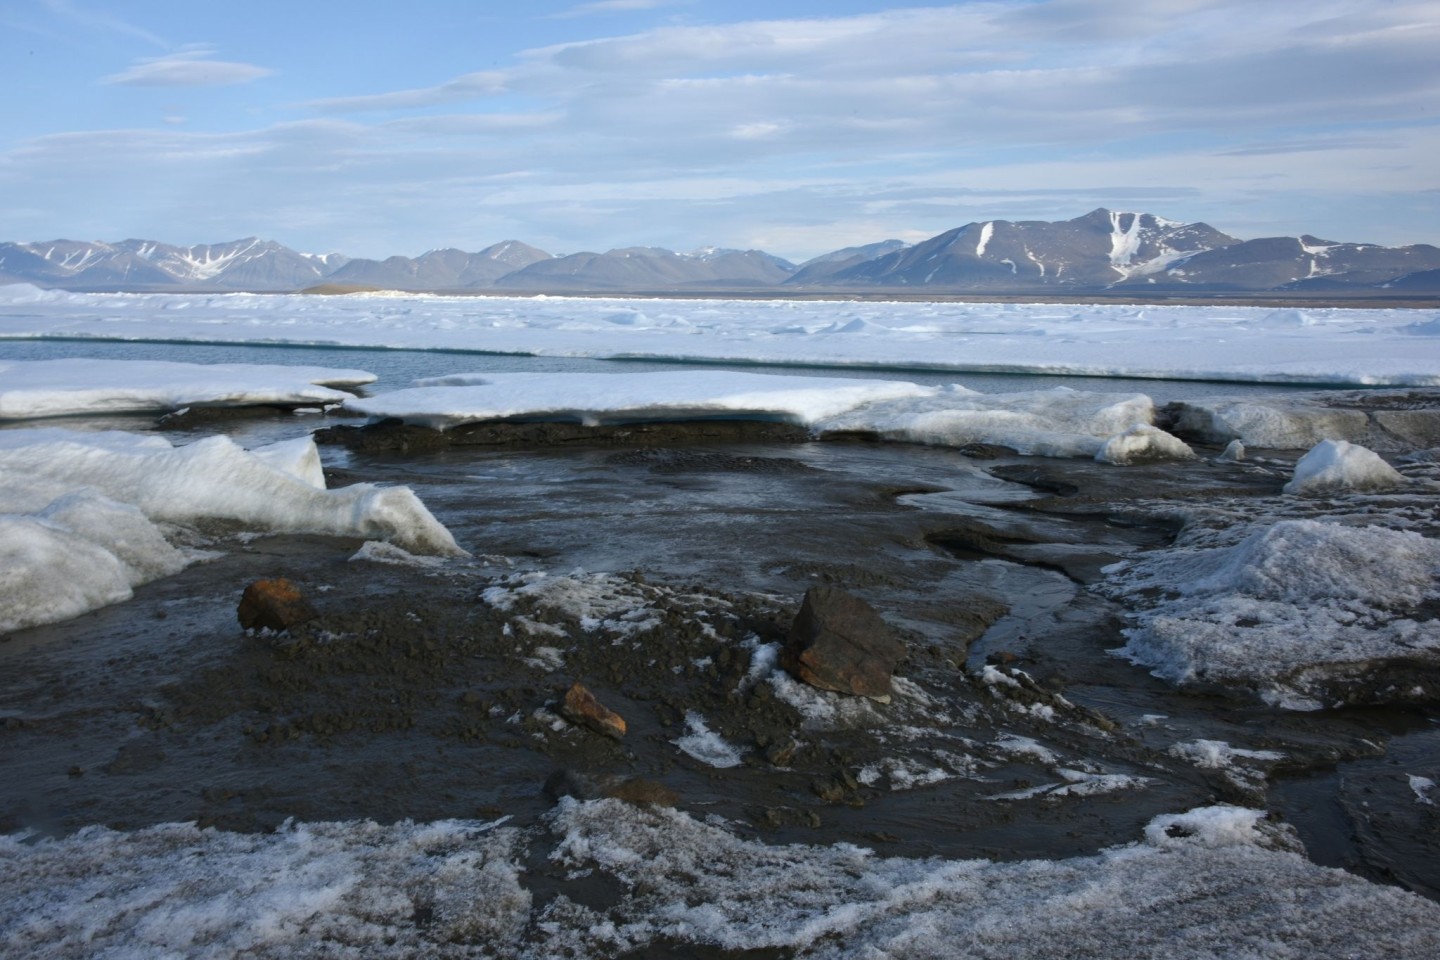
249 264
1300 264
1103 251
1100 249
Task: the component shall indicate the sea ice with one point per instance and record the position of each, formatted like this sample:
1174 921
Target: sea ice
595 398
53 388
1143 442
1208 882
1332 346
81 509
1285 610
1337 466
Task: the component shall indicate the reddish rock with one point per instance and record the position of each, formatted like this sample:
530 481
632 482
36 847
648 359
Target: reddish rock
274 605
581 707
838 642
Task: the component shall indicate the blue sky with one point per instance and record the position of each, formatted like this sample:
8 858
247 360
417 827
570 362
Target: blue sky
798 128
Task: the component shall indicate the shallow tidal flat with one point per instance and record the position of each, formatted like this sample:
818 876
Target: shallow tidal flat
662 567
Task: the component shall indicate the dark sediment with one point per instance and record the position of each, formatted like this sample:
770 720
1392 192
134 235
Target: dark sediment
415 693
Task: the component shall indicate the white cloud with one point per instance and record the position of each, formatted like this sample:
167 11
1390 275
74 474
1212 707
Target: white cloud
471 86
611 6
825 132
192 67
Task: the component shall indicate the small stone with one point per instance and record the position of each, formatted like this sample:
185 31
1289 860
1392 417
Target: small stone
780 753
581 707
274 605
838 642
645 793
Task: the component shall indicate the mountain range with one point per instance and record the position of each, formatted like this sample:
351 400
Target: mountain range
1101 252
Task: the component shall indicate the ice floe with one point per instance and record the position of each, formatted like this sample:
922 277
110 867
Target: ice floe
84 513
53 388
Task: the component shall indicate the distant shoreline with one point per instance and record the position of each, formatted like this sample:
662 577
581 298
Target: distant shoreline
1246 299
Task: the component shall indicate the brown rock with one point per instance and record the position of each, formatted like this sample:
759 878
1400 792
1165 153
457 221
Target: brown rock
274 605
645 793
581 707
838 642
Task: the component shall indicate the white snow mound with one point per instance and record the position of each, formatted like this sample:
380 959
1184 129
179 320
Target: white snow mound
80 511
1143 442
1338 466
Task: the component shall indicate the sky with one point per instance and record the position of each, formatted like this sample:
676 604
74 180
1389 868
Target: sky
793 127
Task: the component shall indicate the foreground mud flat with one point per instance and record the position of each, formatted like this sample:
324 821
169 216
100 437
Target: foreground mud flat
664 576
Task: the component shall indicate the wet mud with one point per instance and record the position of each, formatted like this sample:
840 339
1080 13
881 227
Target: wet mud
661 569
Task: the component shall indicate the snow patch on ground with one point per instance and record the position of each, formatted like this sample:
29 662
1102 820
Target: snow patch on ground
707 746
1292 596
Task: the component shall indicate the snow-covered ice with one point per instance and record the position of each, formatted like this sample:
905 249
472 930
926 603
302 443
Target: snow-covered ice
1316 345
1338 466
1057 422
1142 442
1288 606
618 397
54 388
1213 881
83 512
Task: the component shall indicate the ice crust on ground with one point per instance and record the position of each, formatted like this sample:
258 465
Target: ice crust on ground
1214 342
53 388
1281 609
1214 881
707 746
1337 466
83 513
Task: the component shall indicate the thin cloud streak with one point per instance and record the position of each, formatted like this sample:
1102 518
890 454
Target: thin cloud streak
101 22
187 68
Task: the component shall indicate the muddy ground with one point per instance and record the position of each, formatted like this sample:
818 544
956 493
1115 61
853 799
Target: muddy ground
671 559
